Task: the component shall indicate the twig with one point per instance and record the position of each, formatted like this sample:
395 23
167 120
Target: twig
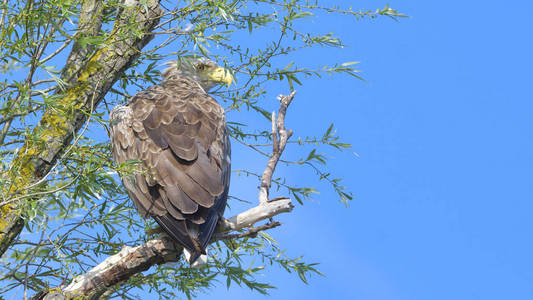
251 232
236 198
56 52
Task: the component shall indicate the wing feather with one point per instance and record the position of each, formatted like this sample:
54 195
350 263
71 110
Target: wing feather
172 210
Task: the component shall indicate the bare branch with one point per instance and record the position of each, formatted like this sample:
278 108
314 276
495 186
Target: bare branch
280 136
256 214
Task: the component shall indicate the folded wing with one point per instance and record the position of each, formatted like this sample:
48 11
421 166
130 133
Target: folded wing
179 137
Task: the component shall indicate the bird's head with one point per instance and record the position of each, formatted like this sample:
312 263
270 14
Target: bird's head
202 70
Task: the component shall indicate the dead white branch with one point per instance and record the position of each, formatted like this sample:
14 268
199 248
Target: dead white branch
280 136
256 214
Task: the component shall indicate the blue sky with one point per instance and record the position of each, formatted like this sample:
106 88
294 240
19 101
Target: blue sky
442 184
442 180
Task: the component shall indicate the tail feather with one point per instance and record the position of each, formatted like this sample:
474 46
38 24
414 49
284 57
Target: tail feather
177 229
207 229
194 237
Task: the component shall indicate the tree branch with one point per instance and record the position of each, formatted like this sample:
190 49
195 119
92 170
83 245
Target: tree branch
89 24
132 260
118 268
57 126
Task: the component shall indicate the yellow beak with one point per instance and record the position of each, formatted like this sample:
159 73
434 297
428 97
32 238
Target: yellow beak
221 75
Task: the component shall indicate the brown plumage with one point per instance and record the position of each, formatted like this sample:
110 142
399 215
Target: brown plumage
178 133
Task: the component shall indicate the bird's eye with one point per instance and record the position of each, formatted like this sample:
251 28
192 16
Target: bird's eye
201 67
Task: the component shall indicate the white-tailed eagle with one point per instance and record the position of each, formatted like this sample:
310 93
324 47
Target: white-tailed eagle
178 133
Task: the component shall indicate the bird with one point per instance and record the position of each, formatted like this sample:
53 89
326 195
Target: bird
175 133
